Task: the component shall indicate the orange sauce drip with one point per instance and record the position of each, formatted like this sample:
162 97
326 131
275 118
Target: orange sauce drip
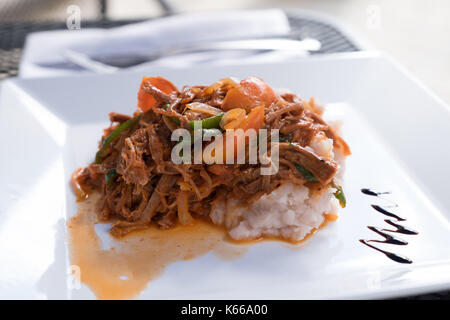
125 269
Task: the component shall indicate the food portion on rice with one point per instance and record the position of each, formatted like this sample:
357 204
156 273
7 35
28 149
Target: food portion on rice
141 186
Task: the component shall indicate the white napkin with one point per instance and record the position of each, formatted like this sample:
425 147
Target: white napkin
47 48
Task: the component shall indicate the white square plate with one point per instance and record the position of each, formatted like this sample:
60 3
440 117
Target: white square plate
398 132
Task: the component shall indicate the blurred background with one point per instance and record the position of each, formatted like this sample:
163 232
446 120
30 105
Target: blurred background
416 33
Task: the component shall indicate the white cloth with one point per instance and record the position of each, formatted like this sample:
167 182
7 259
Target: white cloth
48 47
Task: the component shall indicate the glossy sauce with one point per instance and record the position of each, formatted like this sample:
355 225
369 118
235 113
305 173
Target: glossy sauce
386 212
388 239
393 256
400 228
125 269
370 192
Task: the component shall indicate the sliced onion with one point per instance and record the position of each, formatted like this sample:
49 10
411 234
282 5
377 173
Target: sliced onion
232 118
232 82
203 108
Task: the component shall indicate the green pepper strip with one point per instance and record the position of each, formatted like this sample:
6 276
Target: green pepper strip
110 176
175 120
103 152
205 132
339 194
208 123
306 173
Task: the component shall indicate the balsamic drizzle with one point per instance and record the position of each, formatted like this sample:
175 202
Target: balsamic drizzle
388 239
400 228
373 193
386 213
393 256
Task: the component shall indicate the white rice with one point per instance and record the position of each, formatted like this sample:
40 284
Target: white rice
290 212
322 146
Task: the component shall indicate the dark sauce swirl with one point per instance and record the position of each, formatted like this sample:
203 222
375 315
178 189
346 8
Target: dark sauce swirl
388 239
393 256
387 213
400 229
373 193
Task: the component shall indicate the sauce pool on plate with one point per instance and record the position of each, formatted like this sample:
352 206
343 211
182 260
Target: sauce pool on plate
125 269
